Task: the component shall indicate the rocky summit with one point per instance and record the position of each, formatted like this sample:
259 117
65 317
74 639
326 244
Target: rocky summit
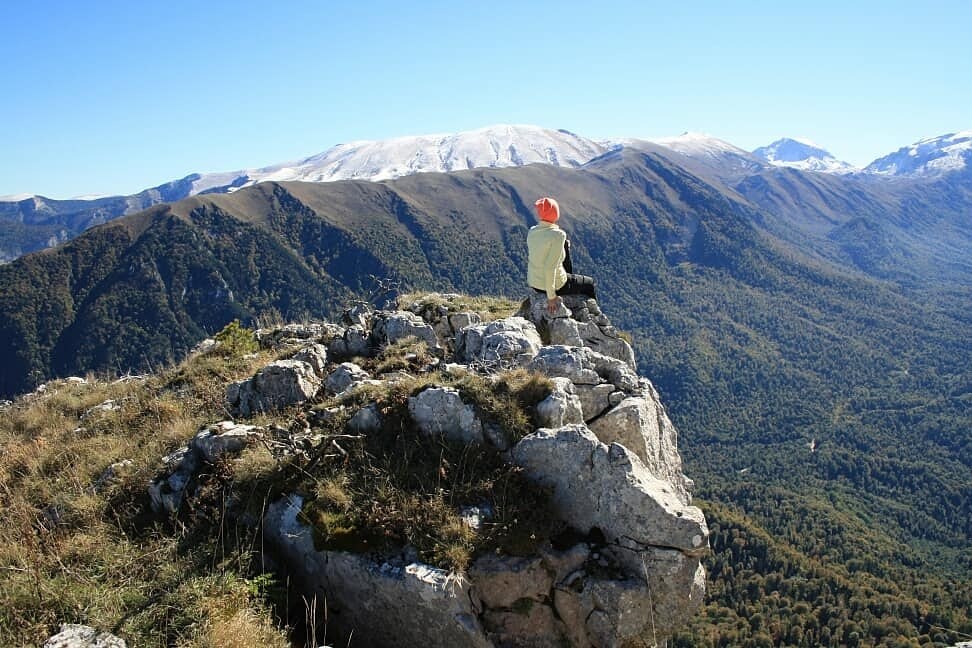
624 565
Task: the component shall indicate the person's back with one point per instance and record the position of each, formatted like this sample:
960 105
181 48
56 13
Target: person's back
546 245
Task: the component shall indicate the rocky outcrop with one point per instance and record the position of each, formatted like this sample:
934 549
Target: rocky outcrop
179 470
604 448
578 322
440 411
73 635
381 603
510 341
277 385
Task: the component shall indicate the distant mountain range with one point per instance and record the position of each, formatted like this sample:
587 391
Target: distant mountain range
29 223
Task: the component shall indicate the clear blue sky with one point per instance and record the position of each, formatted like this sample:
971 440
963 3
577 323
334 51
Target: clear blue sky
113 97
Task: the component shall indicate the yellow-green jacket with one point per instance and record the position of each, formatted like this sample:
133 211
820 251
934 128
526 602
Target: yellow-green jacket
545 270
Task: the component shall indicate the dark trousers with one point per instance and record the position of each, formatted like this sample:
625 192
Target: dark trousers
577 285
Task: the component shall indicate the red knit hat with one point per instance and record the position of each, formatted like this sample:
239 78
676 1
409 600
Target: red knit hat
548 209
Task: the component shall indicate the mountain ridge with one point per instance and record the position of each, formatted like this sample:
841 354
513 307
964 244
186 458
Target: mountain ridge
35 222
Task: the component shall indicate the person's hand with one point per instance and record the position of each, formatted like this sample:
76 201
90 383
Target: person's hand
553 305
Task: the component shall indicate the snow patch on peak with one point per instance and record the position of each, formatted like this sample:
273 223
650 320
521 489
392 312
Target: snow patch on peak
502 145
931 156
690 143
16 197
801 153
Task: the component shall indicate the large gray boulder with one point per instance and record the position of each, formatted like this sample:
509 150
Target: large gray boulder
561 407
578 322
608 487
653 539
391 327
73 635
345 376
277 385
604 612
510 341
582 366
440 411
594 399
316 356
381 605
353 341
640 424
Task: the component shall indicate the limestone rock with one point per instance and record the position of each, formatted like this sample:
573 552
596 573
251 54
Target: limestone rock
513 340
458 321
640 424
582 366
561 564
316 356
361 314
607 487
344 376
383 605
73 635
367 419
399 325
225 437
279 384
565 362
561 407
296 334
529 625
439 411
578 322
610 612
594 399
500 581
210 444
354 341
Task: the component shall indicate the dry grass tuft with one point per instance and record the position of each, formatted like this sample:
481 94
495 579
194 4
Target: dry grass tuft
489 308
406 354
76 549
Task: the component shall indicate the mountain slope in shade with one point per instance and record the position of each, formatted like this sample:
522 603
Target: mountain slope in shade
804 155
928 157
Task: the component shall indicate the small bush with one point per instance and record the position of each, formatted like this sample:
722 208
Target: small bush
236 340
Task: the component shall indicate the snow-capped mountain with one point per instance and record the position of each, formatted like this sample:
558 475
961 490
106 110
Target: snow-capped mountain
700 145
802 154
928 157
714 154
493 146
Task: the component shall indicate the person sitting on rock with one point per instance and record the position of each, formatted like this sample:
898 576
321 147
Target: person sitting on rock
548 268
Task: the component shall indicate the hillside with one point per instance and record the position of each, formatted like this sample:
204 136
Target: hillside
79 453
760 343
